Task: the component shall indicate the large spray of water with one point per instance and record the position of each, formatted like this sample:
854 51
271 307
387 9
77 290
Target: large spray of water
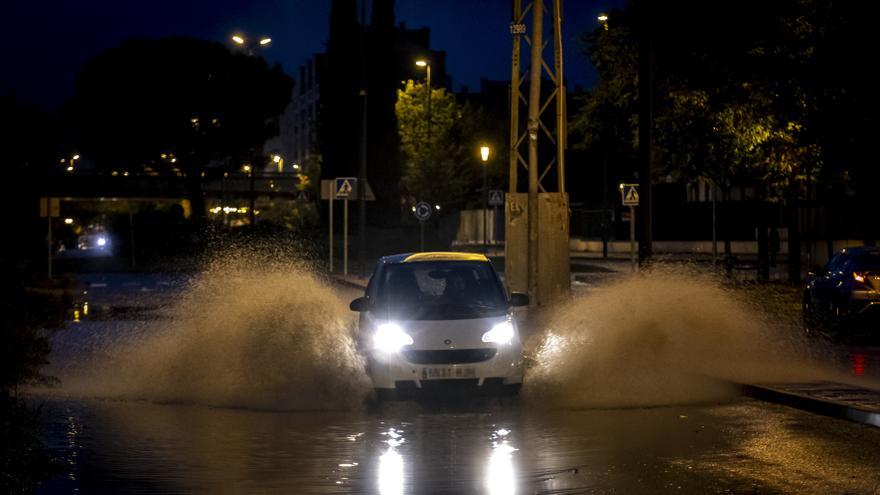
661 337
246 333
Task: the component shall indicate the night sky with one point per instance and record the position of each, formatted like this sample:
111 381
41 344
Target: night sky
46 41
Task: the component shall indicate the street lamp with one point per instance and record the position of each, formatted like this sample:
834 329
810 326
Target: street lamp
484 155
70 162
603 18
250 171
426 64
241 41
280 161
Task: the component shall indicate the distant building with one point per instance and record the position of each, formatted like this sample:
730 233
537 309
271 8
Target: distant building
390 52
297 140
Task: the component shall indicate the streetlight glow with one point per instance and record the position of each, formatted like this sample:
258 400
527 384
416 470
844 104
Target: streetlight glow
484 153
265 41
246 168
603 18
238 39
422 63
276 158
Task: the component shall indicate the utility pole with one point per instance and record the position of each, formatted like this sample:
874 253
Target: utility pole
537 221
646 123
362 172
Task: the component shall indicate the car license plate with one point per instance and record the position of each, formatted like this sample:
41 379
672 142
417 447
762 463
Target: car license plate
446 372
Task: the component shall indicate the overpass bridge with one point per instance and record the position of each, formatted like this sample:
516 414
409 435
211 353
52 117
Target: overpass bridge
145 187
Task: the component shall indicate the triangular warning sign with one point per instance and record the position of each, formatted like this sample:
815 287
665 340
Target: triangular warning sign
345 189
632 195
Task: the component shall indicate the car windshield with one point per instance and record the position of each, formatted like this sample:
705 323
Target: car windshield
868 261
439 290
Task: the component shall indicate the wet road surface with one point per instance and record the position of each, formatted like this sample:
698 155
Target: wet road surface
494 446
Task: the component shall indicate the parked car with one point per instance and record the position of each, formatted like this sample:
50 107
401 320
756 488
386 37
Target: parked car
844 298
434 321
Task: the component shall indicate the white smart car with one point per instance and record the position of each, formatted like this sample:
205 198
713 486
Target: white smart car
435 321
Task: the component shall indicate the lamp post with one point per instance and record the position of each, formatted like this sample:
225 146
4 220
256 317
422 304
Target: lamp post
484 155
253 216
70 162
427 65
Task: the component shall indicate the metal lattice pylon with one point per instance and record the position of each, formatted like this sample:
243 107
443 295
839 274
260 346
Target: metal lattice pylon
546 211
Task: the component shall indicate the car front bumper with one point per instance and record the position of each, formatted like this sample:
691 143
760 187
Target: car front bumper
426 368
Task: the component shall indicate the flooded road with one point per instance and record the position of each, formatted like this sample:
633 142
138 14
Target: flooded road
246 382
741 446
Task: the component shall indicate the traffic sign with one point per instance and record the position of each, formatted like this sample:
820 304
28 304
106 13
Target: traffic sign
302 196
344 187
50 207
496 197
629 194
423 211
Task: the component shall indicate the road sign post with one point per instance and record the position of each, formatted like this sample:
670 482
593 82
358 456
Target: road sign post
343 187
629 196
423 212
330 214
49 208
496 199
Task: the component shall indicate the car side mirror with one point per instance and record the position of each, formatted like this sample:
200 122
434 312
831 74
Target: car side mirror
360 304
519 299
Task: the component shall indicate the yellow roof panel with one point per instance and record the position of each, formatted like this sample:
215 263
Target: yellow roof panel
445 256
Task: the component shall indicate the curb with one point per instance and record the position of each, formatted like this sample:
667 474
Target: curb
800 398
348 282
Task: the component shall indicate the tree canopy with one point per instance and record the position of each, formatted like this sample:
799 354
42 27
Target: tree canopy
738 93
445 169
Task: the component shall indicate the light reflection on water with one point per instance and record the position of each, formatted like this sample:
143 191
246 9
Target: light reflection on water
500 474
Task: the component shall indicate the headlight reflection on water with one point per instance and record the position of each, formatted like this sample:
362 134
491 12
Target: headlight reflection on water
391 465
500 474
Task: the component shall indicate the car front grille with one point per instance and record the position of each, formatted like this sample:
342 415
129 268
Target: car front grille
449 356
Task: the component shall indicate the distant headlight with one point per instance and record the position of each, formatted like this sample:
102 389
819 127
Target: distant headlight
501 333
389 337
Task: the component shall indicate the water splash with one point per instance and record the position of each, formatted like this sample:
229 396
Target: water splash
662 337
245 333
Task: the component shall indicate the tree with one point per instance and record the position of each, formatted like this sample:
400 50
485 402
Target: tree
732 105
178 106
445 169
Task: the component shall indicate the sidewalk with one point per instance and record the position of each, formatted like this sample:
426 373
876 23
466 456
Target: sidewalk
826 398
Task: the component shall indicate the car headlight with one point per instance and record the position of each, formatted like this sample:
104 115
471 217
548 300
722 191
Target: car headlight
501 333
389 337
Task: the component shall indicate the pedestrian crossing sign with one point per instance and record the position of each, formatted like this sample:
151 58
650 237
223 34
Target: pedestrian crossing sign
629 194
344 187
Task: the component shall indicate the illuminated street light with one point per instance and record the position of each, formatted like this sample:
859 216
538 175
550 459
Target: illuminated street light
249 45
484 155
422 63
246 168
280 161
75 157
68 221
603 19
